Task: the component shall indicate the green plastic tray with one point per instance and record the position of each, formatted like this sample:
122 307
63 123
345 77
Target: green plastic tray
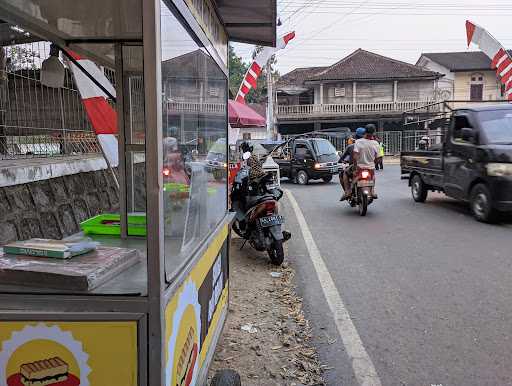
109 224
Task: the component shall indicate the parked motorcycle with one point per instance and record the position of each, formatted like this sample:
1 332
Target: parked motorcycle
257 219
363 183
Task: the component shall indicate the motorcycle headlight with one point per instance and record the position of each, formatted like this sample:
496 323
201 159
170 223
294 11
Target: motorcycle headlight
499 169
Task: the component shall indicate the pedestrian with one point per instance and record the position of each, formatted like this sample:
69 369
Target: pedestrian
380 161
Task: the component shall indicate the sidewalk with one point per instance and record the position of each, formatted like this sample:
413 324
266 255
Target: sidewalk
273 348
392 160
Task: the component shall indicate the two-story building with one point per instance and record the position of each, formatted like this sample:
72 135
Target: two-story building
468 76
362 88
194 95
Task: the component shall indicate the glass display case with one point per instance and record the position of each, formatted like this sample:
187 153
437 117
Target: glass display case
138 132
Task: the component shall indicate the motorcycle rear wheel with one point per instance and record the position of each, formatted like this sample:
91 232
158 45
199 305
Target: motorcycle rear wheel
363 204
276 252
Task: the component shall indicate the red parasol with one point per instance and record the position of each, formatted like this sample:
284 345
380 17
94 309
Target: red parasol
241 115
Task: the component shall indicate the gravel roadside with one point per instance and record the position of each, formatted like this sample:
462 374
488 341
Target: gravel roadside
266 337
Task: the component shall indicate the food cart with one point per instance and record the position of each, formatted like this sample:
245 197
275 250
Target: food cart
154 319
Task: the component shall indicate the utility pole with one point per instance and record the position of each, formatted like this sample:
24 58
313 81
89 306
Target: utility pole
3 100
270 101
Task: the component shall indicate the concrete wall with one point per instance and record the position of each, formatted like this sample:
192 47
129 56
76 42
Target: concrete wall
492 87
373 92
445 84
370 92
416 90
256 132
329 97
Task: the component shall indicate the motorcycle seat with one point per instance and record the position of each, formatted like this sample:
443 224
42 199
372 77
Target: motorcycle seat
255 200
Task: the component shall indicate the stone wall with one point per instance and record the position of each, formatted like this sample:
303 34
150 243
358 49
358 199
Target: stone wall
53 208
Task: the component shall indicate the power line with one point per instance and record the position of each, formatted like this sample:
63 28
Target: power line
336 21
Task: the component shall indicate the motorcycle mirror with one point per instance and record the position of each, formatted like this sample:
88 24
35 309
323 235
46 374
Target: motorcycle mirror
246 155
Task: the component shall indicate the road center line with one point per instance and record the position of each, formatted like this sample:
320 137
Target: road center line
362 365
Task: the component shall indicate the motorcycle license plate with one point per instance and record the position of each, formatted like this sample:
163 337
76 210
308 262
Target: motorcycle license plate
270 221
364 183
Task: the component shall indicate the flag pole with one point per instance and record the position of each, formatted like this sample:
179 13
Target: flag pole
270 100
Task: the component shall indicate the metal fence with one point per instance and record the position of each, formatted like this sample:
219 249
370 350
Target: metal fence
394 141
38 121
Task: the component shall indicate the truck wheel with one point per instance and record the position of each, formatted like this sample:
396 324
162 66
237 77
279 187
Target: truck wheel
327 179
481 204
418 189
302 177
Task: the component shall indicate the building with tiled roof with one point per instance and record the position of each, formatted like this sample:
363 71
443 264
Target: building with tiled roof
467 75
363 87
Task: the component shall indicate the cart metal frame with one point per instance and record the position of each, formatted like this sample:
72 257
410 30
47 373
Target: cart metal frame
147 311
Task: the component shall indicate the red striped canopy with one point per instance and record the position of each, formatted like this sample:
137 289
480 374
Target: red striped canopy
241 115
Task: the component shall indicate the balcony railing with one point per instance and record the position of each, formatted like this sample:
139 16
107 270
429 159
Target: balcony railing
333 110
196 107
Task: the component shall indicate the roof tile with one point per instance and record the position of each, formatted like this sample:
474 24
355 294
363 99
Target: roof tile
461 61
298 76
365 65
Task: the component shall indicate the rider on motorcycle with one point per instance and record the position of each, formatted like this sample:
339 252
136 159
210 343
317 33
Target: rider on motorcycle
367 151
347 156
256 172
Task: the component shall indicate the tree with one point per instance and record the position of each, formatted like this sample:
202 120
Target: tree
21 57
237 70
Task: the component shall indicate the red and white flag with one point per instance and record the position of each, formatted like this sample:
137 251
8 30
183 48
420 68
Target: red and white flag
501 59
102 116
257 65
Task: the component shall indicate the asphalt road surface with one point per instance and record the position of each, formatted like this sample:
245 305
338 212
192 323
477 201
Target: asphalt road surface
428 289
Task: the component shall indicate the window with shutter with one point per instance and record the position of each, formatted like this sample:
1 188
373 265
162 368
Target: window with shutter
339 92
476 92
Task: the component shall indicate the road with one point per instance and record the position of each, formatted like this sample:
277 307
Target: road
428 288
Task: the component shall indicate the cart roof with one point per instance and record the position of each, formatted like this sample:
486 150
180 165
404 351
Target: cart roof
86 24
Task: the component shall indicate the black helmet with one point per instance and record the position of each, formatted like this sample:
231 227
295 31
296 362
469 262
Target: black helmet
246 147
371 128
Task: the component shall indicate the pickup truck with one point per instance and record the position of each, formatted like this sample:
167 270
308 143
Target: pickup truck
303 159
473 164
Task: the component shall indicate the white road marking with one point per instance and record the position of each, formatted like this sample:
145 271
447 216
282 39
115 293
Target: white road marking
362 365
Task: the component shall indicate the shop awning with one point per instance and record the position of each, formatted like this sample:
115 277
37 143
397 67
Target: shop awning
249 21
241 115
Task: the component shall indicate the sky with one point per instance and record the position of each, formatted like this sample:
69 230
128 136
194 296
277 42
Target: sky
328 30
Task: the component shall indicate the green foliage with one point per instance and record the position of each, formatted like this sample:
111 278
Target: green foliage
21 57
237 70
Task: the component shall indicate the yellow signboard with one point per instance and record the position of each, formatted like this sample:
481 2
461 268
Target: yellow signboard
68 353
192 316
